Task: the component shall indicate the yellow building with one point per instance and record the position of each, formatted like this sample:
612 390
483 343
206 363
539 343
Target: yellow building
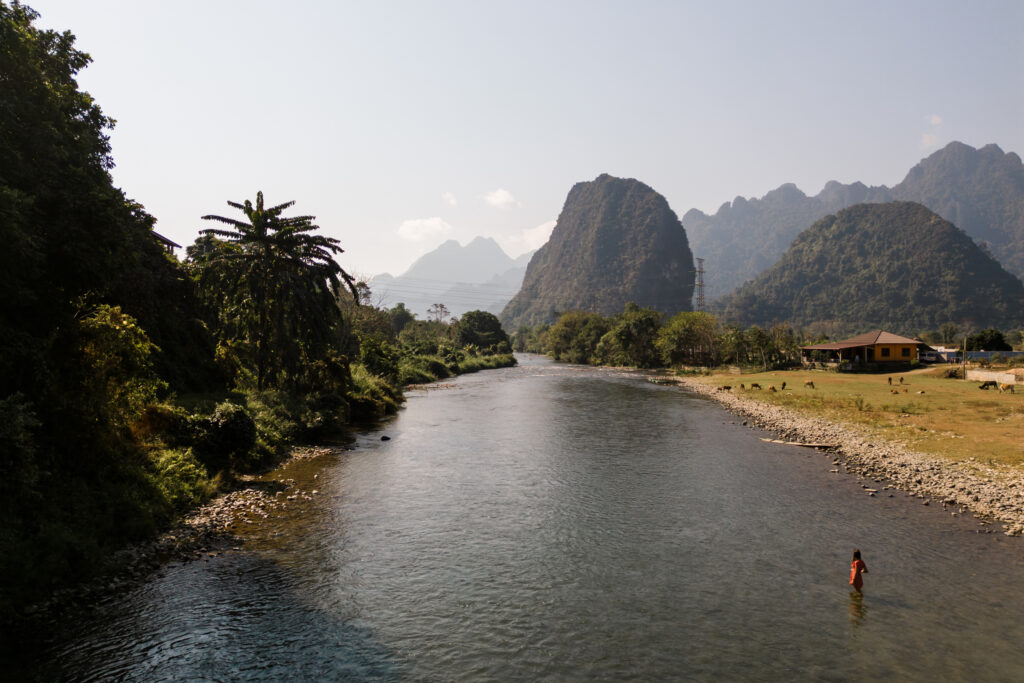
871 348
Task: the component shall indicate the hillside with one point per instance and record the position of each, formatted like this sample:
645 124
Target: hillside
615 241
898 266
979 190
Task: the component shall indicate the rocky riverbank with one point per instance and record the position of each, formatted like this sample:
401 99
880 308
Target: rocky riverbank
992 494
206 532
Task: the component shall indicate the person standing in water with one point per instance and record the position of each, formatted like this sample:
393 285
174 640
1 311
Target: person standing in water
857 567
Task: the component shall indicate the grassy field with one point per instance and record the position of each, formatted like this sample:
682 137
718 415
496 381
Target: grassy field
949 418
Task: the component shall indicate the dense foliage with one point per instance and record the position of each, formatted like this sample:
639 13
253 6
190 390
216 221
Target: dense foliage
616 241
643 338
895 266
132 386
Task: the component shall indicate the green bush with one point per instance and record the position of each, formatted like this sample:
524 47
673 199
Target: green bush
372 397
182 479
225 438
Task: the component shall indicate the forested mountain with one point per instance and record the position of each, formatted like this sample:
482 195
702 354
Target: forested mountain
615 241
979 190
897 266
478 276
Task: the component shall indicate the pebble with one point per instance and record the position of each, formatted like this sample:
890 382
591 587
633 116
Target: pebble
993 492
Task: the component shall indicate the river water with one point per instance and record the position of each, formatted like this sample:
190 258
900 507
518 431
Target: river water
561 523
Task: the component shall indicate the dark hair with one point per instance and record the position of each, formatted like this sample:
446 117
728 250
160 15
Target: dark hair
856 553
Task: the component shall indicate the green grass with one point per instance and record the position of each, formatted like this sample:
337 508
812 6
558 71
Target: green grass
951 419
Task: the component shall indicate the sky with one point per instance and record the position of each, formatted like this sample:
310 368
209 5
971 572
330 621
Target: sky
401 125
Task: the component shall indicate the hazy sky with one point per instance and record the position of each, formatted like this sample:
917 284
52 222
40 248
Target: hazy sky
402 124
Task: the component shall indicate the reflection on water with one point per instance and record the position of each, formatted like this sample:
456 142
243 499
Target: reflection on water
857 608
560 523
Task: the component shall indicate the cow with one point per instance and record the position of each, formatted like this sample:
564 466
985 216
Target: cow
771 387
1006 387
901 380
894 391
988 384
755 385
890 381
725 387
809 383
742 386
783 387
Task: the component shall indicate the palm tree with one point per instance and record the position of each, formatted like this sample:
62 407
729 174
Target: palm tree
283 280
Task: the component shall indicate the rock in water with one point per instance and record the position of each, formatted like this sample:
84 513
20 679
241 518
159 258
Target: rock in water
616 241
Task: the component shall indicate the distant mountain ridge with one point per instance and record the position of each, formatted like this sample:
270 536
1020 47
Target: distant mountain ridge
897 266
616 241
478 276
979 190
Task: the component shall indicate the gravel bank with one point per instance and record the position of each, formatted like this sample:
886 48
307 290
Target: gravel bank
992 494
206 532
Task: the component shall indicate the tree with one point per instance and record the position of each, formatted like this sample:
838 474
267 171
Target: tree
482 329
988 340
760 343
575 335
438 312
631 340
400 317
689 336
283 282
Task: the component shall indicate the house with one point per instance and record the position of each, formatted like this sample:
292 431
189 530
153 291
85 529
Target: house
871 349
169 245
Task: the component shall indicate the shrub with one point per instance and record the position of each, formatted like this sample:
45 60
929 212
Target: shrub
225 438
372 397
182 480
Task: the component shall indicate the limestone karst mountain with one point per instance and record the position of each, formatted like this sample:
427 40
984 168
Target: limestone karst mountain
981 191
615 241
897 266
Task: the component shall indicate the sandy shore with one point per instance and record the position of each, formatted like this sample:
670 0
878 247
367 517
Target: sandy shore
993 494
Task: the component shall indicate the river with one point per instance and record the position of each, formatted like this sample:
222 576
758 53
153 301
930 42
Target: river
563 523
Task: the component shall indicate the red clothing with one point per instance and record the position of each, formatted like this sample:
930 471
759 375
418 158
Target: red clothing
857 567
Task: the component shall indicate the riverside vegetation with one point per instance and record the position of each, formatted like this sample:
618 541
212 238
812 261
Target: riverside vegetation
134 387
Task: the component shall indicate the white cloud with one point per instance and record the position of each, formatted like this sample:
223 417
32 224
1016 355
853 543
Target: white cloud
535 238
928 140
449 199
419 229
501 199
935 120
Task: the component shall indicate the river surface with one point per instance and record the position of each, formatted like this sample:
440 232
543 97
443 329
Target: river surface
562 523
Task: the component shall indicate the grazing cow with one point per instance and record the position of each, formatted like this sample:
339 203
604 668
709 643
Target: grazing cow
809 383
742 387
783 386
755 385
771 387
921 392
1006 387
990 383
726 387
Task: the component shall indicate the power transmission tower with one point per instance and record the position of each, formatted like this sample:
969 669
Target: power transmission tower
700 284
